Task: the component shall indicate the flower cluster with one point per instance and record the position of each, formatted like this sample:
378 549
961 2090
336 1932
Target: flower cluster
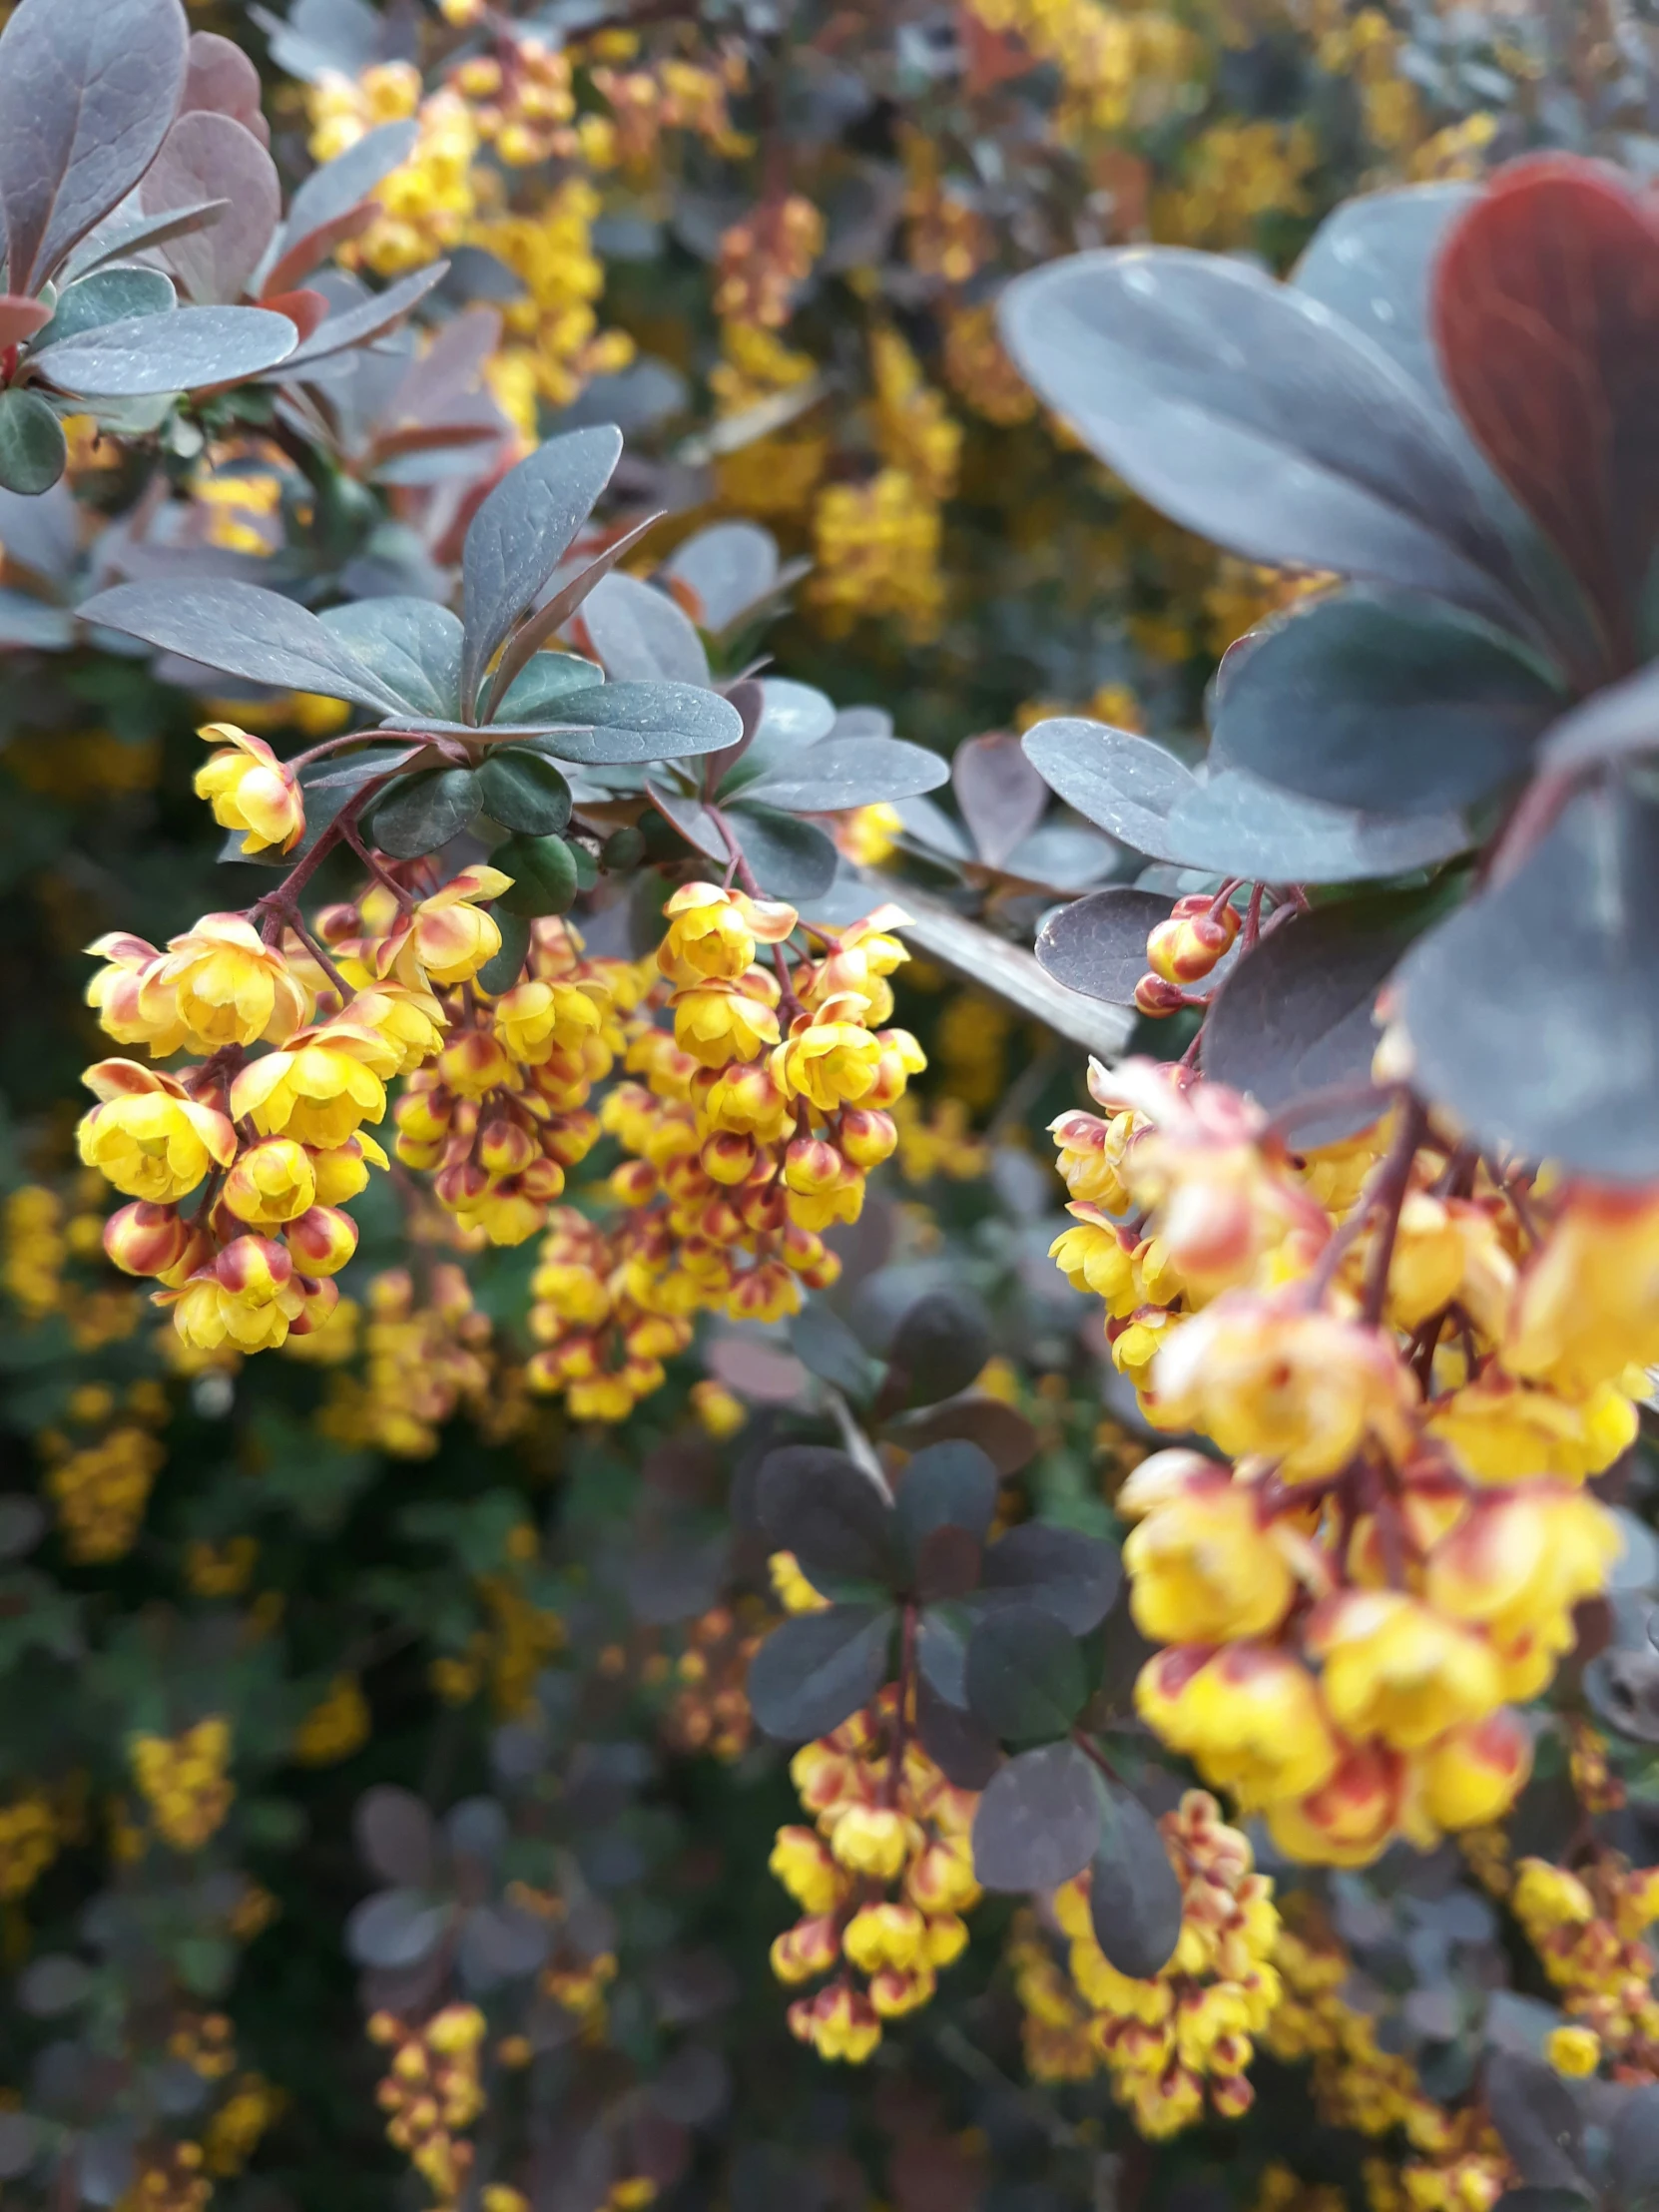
765 259
430 2092
1412 1357
1185 2034
1589 1931
425 1357
711 1711
886 1818
186 1781
743 1143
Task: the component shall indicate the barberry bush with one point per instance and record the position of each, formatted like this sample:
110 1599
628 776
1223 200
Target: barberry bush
830 1168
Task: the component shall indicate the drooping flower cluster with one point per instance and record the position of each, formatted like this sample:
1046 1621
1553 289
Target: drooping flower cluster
186 1781
1590 1931
430 2092
1185 2034
1413 1357
745 1142
886 1820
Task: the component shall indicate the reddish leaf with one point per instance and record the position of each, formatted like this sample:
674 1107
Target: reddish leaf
219 76
1547 316
20 317
304 253
1001 794
305 308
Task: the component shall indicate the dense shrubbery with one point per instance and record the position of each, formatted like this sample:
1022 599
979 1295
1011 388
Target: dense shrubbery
609 1591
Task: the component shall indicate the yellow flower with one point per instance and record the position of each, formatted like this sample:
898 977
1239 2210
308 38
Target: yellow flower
1203 1566
319 1088
1574 2052
225 984
250 789
1504 1430
1249 1716
720 1021
885 1934
1098 1255
1296 1385
1474 1773
801 1861
537 1019
792 1588
116 994
829 1063
1396 1669
1588 1303
272 1183
448 936
1516 1568
147 1137
712 933
871 1839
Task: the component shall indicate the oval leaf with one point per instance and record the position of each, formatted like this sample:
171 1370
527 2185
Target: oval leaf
1534 2112
33 450
817 1503
412 646
1038 1822
945 1486
731 566
1072 1576
521 533
818 1669
999 791
1097 944
370 318
208 156
1387 704
641 635
523 792
87 90
1534 1011
1296 1015
246 632
850 772
174 352
110 296
939 1345
394 1835
1024 1674
422 813
1246 411
1234 825
791 860
1124 783
1135 1899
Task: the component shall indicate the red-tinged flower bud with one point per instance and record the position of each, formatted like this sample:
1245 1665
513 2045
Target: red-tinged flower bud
461 1185
720 1221
823 1273
1184 952
763 1210
424 1115
270 1183
504 1147
1156 999
474 1064
145 1239
254 1268
813 1163
867 1136
542 1180
801 1248
322 1295
634 1183
571 1138
322 1240
727 1156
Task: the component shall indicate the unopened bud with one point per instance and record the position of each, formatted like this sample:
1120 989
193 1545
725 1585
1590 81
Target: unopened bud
322 1240
1156 999
145 1239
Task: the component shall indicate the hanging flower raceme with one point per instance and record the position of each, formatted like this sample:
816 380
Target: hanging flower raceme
1411 1357
882 1880
1183 2036
743 1144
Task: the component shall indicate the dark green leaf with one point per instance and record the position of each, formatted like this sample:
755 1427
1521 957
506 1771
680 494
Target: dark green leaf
413 647
503 971
1534 1011
1534 2112
244 630
210 156
160 354
939 1345
33 450
552 615
1124 783
547 679
791 860
546 873
1097 944
109 295
823 1344
370 318
817 1503
523 792
1134 1899
1024 1674
641 635
87 90
816 1669
521 533
1247 411
1038 1820
945 1486
1296 1015
615 722
1386 702
422 813
849 772
1072 1576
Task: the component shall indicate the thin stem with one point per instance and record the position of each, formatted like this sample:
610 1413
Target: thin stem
1390 1197
321 956
854 1443
1253 917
